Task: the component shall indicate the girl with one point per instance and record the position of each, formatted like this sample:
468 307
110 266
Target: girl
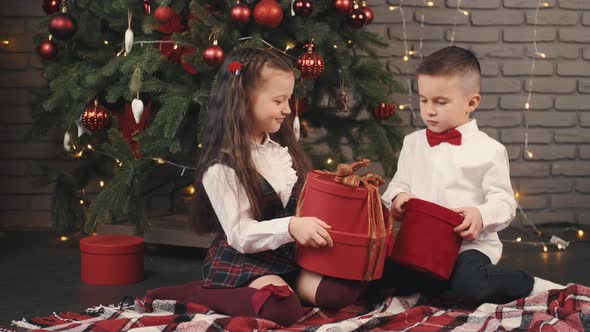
248 182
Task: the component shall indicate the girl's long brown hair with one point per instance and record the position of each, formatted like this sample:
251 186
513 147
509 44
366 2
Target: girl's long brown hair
228 138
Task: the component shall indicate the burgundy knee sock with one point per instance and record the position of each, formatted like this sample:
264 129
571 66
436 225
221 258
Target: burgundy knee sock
284 309
335 293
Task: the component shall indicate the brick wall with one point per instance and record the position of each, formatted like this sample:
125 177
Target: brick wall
554 187
555 184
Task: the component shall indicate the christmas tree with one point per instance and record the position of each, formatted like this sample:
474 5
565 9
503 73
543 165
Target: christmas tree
129 82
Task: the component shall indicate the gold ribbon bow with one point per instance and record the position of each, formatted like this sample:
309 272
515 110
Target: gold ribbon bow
378 229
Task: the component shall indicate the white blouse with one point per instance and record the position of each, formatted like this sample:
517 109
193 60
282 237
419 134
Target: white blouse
232 207
475 173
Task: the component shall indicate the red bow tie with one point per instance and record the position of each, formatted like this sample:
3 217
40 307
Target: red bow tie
452 136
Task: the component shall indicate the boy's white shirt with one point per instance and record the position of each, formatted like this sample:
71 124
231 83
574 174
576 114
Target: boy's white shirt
475 173
232 207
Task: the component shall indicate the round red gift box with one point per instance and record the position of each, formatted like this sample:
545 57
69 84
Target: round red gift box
426 241
113 259
345 209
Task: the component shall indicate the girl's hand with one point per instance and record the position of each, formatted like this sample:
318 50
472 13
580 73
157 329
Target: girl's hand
310 231
398 206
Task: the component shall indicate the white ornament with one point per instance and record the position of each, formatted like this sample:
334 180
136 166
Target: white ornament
81 128
296 127
137 108
128 40
67 141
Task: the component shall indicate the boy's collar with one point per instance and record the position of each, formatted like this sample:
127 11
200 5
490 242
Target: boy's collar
469 128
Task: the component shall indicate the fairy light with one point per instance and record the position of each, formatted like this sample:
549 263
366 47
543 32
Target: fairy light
6 42
106 42
81 202
430 3
402 106
464 12
329 161
200 146
580 233
518 239
101 183
89 147
290 45
63 238
392 8
545 248
190 189
406 58
527 104
159 161
175 46
459 10
517 195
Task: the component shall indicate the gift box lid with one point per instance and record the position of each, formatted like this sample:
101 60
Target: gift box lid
111 244
334 188
434 210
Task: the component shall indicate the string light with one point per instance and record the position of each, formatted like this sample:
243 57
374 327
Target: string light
517 195
190 189
518 239
580 233
6 42
175 46
329 161
89 147
159 160
101 183
406 58
81 202
200 146
545 248
106 42
527 104
63 238
392 8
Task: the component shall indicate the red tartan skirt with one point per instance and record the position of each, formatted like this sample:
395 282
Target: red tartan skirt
225 267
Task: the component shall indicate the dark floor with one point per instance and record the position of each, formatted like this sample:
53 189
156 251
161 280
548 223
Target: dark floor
40 274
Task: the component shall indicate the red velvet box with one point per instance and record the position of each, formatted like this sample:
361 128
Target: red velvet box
426 240
112 259
356 254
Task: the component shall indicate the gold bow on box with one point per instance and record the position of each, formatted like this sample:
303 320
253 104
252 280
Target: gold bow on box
379 229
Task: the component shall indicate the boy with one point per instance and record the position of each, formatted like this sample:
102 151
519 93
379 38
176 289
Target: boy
455 165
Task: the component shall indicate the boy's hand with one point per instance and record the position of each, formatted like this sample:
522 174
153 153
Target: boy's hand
310 231
398 206
471 226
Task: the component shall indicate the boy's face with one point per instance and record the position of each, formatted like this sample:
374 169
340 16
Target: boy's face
446 102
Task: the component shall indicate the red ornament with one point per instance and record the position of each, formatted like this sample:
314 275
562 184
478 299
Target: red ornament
47 49
147 6
130 129
311 64
356 17
164 14
303 7
96 118
383 111
63 26
173 25
185 55
343 6
213 55
241 13
268 14
299 105
368 14
51 6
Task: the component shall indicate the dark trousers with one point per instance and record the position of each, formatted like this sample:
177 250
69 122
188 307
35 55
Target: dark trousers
474 280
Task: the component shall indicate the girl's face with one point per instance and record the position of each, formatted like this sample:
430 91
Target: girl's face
269 102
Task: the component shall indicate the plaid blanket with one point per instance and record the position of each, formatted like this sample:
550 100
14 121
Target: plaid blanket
564 310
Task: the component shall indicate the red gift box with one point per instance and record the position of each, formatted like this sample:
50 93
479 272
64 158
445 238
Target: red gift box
115 259
351 204
426 241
